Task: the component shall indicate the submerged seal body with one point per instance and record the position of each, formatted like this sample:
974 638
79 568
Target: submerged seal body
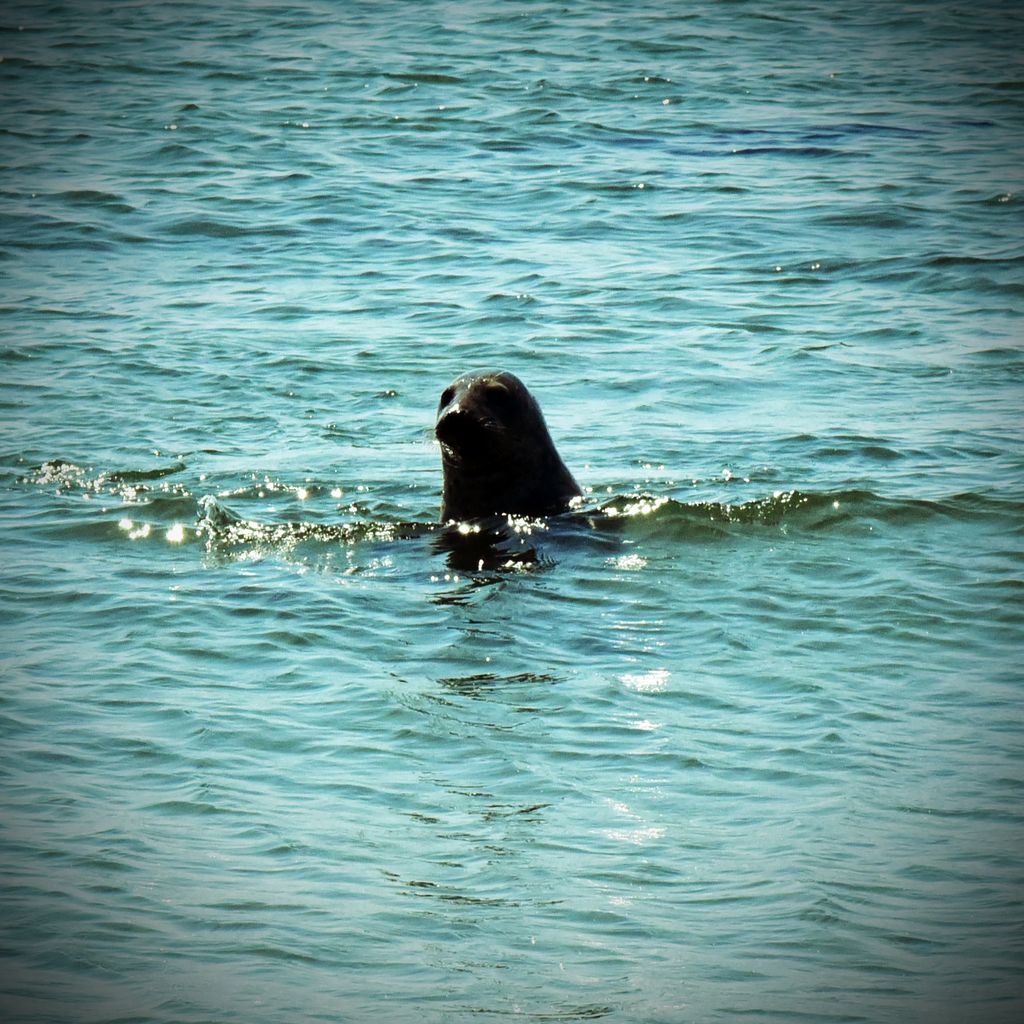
497 454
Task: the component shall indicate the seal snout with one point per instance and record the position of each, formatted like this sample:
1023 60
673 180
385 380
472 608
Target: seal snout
459 430
471 417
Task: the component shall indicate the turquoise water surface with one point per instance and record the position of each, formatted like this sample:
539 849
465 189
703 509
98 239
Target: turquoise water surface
741 741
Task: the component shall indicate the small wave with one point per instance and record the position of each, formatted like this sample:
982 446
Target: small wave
426 77
967 260
133 475
93 198
71 477
670 518
208 228
788 151
176 150
222 528
869 128
10 354
866 218
609 188
799 510
999 199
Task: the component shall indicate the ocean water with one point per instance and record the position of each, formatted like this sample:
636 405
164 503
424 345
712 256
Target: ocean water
741 741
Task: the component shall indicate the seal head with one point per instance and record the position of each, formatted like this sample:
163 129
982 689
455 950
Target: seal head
497 454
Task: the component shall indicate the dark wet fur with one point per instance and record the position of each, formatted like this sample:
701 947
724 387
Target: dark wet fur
497 454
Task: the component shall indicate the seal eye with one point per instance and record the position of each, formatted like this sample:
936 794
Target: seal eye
501 401
446 396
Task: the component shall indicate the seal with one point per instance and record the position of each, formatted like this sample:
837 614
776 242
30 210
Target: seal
496 452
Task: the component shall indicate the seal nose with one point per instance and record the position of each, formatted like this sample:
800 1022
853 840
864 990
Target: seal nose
463 436
452 425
